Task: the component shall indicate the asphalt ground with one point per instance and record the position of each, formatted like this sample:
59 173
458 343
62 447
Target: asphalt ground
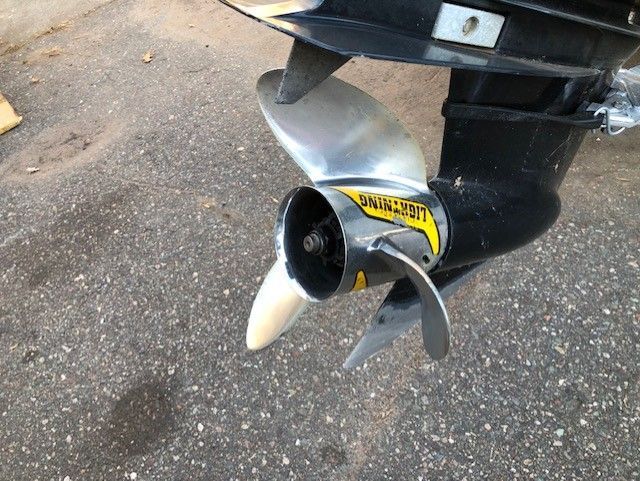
129 261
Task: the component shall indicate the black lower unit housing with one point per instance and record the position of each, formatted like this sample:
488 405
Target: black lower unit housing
508 143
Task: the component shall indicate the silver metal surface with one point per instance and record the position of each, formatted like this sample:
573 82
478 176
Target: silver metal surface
359 233
621 108
339 132
436 331
628 80
270 8
617 120
468 26
275 309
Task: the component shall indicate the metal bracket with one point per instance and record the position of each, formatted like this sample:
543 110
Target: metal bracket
621 108
469 26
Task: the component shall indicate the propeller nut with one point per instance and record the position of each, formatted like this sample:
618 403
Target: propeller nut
314 243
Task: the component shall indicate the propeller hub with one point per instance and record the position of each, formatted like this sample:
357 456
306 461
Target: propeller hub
325 236
314 243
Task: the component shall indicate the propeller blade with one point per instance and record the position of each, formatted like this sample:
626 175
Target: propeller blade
401 310
436 332
337 131
275 309
397 314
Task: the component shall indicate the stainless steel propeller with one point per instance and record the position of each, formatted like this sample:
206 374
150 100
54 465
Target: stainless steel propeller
370 217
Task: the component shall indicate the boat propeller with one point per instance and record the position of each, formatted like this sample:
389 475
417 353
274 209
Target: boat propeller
369 218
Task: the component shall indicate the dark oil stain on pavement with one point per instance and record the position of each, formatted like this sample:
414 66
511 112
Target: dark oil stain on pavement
333 455
71 241
142 418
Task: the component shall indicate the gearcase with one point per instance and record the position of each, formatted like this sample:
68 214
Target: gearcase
516 113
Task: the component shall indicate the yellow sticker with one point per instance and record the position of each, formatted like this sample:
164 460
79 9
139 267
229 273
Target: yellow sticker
361 281
397 211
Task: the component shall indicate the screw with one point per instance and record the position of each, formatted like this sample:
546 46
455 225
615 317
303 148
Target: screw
470 26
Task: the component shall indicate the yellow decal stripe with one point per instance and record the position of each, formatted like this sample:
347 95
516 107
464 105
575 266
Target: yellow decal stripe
397 211
361 281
